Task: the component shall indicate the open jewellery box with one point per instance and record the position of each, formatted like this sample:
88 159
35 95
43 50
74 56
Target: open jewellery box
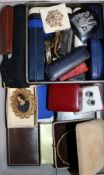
23 170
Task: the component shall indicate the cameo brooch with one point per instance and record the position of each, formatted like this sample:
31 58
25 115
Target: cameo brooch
23 103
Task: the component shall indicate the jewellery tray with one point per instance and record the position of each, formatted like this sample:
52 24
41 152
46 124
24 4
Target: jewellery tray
69 3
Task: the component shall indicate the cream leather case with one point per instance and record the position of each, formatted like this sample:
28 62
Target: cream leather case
21 107
90 146
46 143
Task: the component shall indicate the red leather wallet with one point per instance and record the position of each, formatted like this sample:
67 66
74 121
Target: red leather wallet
6 30
65 97
82 68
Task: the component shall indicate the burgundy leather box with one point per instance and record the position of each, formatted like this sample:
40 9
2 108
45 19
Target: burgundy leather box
6 30
65 97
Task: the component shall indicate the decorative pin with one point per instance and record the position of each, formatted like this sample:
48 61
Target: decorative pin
23 103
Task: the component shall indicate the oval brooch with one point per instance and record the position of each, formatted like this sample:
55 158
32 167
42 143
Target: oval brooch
23 103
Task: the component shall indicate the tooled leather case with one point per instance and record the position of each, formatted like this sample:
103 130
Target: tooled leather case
23 146
65 97
88 17
6 30
65 149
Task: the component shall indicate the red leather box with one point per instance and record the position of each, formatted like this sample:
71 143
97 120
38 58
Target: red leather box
6 30
65 97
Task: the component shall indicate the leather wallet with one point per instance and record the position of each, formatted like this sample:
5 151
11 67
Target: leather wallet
6 30
36 50
21 107
90 146
68 62
42 112
65 148
97 59
13 69
46 144
65 97
23 146
98 9
82 68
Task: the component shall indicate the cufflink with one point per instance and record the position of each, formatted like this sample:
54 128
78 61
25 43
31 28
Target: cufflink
89 94
91 102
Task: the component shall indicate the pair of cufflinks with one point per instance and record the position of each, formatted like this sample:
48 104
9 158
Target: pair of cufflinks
90 101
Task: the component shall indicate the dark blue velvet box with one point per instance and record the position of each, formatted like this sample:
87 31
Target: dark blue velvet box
36 54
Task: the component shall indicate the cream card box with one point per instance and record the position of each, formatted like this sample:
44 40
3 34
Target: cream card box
21 107
46 143
55 18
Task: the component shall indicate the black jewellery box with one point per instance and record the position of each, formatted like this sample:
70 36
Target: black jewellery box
71 55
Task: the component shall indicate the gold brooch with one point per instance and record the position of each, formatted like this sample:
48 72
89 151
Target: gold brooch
23 103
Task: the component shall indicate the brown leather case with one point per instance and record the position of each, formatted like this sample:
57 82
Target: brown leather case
6 30
23 146
65 148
